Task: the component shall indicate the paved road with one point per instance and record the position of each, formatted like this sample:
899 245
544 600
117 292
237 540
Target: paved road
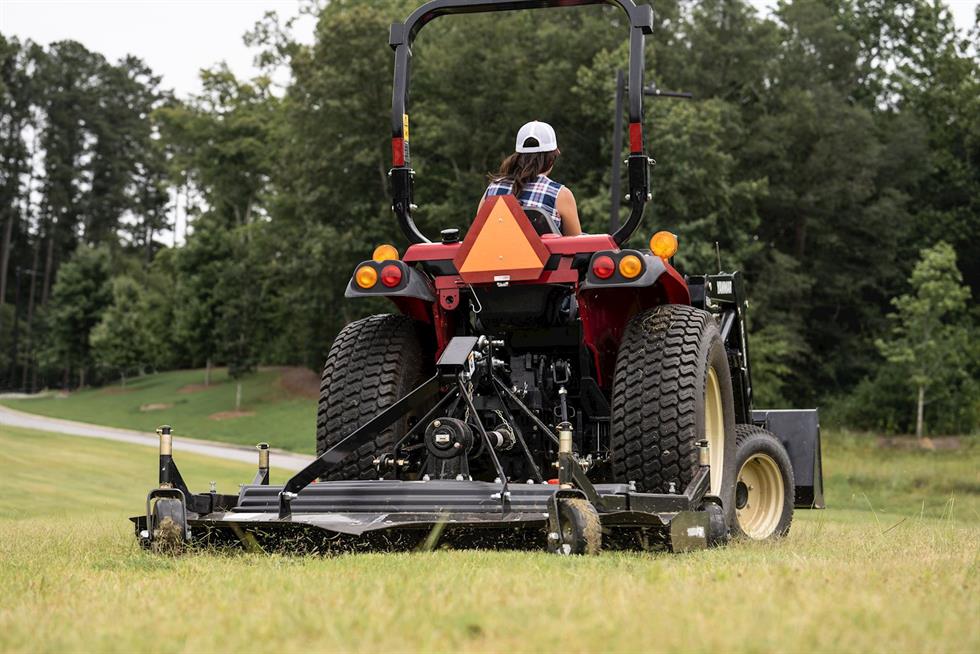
278 458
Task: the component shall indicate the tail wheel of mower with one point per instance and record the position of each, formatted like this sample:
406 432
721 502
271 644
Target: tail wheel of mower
673 388
169 528
372 363
581 531
764 486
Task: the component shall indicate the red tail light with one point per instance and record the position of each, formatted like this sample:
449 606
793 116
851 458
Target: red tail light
603 267
391 276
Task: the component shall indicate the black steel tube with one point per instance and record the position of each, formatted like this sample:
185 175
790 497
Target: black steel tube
421 424
530 414
486 439
517 432
617 151
343 448
403 34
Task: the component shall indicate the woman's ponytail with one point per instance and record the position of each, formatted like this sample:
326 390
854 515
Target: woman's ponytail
521 168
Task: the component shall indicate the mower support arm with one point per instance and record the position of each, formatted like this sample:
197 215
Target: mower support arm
356 439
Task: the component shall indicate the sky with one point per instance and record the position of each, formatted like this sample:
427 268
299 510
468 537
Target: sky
179 37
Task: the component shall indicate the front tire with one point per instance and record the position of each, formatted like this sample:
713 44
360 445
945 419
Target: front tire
372 363
764 487
673 388
581 529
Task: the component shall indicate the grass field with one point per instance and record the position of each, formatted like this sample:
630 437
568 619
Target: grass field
270 411
902 577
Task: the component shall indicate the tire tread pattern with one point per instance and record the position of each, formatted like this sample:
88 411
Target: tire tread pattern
655 394
372 363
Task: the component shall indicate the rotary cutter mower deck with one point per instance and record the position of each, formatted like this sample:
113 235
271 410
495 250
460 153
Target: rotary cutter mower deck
531 389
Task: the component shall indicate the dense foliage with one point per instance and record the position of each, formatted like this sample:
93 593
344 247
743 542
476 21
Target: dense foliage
827 145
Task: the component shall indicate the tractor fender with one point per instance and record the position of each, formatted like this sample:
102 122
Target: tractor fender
412 284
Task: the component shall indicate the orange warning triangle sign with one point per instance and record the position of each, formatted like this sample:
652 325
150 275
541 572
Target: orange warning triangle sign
501 245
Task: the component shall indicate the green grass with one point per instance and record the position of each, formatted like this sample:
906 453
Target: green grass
282 418
72 578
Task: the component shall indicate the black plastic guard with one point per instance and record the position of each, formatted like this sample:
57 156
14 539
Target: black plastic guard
799 432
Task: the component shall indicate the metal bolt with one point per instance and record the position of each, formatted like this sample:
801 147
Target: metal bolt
672 488
437 423
214 487
459 478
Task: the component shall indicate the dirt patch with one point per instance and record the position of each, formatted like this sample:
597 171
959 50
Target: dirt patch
230 415
194 388
116 390
301 382
158 406
936 443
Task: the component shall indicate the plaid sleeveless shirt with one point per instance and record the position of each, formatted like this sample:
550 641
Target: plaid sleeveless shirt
540 193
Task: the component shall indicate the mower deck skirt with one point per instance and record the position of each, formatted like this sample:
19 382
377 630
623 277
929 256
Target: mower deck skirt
356 508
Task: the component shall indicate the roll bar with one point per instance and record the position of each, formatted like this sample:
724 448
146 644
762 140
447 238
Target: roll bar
403 35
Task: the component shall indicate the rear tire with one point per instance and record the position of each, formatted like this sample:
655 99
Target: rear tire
372 363
673 388
764 487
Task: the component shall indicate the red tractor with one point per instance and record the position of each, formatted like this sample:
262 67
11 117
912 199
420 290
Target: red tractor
544 388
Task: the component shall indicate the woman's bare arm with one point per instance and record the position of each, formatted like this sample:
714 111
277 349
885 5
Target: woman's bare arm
568 210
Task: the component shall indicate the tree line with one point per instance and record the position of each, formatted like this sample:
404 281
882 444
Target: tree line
827 146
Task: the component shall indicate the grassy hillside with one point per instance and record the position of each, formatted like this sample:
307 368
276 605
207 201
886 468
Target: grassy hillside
845 580
277 406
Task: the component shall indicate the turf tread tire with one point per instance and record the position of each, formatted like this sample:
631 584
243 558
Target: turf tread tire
658 398
372 363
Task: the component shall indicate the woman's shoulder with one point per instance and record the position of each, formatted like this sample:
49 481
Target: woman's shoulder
500 186
550 183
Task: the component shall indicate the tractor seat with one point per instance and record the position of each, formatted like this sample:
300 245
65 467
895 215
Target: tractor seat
541 222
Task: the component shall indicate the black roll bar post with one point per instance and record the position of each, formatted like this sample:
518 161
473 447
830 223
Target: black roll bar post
402 36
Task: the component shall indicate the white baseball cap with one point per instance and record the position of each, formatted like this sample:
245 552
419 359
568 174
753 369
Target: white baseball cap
536 137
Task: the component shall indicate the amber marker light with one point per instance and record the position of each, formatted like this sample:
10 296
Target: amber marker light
630 266
384 253
366 276
663 244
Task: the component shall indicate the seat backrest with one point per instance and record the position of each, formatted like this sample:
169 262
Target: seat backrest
542 223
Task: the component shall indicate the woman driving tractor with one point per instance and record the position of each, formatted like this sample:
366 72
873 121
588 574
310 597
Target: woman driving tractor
524 174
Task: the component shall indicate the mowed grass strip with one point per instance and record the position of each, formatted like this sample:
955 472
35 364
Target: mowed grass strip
73 578
270 411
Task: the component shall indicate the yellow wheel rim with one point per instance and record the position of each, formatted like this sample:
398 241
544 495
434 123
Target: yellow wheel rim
714 430
759 496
